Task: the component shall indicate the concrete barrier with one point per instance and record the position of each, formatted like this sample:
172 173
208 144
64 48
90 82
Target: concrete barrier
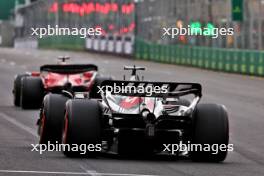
29 43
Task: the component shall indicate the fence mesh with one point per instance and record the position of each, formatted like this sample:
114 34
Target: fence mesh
153 15
119 17
113 16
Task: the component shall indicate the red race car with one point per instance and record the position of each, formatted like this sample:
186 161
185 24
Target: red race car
30 88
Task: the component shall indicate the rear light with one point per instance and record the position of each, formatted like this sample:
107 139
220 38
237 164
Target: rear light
88 74
78 80
35 74
49 81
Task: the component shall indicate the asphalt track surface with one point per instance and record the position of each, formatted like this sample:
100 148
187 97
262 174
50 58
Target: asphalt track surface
242 95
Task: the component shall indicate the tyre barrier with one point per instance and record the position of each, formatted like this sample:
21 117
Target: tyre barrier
248 62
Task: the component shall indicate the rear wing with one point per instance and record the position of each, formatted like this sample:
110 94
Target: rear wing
69 69
150 89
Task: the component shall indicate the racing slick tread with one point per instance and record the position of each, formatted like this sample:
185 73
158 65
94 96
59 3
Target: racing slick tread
52 116
210 127
32 92
82 124
17 89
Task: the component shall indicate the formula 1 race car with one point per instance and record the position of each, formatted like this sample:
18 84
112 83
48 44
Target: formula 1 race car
62 83
30 88
138 117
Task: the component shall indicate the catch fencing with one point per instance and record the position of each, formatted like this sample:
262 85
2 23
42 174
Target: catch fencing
135 27
115 18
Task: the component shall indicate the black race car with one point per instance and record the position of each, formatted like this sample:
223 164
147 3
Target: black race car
137 121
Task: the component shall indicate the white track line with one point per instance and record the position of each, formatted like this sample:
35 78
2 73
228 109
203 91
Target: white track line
90 172
12 63
70 173
32 132
3 60
23 66
18 124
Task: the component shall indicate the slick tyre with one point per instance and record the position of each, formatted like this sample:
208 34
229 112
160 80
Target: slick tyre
210 126
17 89
51 118
82 126
32 92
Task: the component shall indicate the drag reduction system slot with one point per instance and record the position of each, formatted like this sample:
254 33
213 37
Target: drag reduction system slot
69 69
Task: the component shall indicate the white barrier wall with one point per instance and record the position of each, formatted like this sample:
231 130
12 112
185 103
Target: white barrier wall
26 43
96 43
128 45
119 45
103 44
89 43
111 44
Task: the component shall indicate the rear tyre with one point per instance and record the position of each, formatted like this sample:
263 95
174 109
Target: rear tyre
82 126
17 89
51 120
32 92
210 127
97 82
